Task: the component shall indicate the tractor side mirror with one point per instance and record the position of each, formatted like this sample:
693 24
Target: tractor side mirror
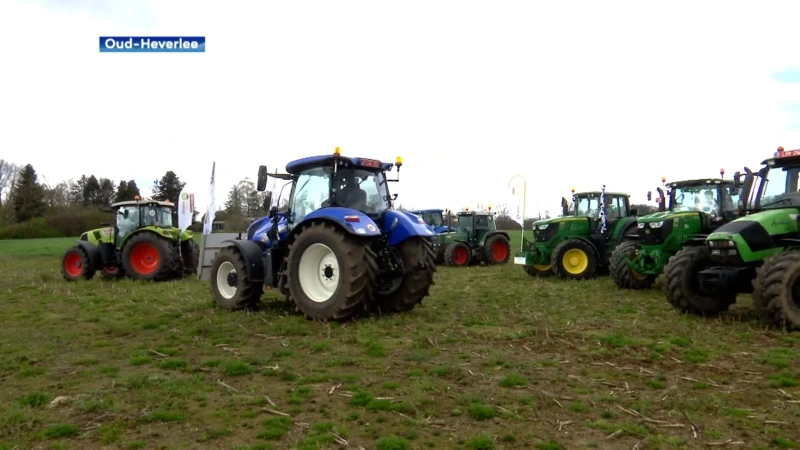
125 213
634 212
564 207
649 195
736 183
262 178
268 199
273 211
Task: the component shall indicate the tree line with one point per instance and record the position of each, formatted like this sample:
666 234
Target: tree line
30 207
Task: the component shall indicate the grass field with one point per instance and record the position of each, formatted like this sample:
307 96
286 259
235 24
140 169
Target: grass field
493 359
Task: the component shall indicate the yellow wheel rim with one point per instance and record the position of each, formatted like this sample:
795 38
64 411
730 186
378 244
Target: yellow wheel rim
637 275
542 267
575 261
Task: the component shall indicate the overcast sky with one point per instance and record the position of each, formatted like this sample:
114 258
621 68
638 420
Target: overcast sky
469 93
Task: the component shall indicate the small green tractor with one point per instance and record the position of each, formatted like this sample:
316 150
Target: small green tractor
475 240
696 208
758 253
577 244
141 244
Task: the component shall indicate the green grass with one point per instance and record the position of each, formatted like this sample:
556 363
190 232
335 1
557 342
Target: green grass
493 359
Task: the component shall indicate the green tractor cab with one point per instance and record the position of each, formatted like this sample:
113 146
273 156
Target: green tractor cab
475 240
696 208
758 253
577 244
142 244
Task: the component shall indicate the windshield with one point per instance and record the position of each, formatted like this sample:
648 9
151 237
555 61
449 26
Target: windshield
703 198
433 219
356 188
777 182
464 222
587 206
157 216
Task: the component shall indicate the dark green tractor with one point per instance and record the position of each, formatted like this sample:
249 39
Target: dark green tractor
758 253
475 240
696 208
577 244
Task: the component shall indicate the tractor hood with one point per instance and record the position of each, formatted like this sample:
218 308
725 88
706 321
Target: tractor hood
666 215
97 235
543 222
761 226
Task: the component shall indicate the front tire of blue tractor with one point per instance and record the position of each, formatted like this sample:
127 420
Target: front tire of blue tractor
330 274
776 290
229 283
622 273
682 287
419 263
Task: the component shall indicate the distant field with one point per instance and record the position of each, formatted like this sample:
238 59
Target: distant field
493 359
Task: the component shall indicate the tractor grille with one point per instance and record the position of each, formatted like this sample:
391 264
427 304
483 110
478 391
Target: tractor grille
546 234
655 236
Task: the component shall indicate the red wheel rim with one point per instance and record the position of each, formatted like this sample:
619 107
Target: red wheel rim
144 259
73 264
499 251
460 255
110 270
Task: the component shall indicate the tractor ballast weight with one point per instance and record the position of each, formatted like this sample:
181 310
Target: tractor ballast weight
433 218
758 253
141 244
475 240
338 249
696 208
577 244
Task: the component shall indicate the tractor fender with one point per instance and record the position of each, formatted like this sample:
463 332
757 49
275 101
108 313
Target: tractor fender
591 244
252 253
352 221
95 257
401 226
493 233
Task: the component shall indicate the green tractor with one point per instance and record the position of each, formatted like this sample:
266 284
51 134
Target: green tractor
577 244
142 244
696 208
758 253
475 240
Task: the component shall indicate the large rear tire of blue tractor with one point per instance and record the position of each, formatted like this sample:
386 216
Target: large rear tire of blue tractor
331 274
229 283
419 265
776 290
683 289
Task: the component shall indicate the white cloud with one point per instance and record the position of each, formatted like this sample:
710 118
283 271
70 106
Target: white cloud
469 93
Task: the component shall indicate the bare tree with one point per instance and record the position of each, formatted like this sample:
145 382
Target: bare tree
8 177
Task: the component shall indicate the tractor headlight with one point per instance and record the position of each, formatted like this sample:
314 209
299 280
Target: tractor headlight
542 227
641 224
722 244
656 224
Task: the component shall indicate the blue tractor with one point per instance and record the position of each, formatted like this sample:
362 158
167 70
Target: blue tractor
338 249
434 220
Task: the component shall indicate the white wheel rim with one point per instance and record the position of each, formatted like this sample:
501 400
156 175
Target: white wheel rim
318 272
223 271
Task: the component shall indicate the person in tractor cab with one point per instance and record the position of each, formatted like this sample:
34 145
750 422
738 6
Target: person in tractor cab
709 202
350 194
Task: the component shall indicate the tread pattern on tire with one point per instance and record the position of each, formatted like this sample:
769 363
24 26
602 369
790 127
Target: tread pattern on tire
557 257
677 278
488 256
420 265
167 252
247 293
771 296
448 254
88 271
361 269
622 273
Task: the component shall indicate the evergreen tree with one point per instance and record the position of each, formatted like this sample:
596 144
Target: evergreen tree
91 191
76 191
133 190
28 196
168 188
106 192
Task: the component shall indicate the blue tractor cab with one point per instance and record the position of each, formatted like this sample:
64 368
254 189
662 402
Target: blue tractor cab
434 220
339 248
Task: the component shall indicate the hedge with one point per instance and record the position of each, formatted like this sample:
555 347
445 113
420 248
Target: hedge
65 223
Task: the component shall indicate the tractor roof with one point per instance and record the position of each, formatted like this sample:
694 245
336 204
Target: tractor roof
421 211
699 182
142 202
597 193
311 162
783 158
474 213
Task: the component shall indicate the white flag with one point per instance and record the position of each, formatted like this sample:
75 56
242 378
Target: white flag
185 209
515 205
211 212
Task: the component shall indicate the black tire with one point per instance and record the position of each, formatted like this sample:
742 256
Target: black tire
457 254
148 257
622 273
562 250
356 280
75 264
190 257
680 283
246 294
496 250
419 264
776 290
439 255
538 272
